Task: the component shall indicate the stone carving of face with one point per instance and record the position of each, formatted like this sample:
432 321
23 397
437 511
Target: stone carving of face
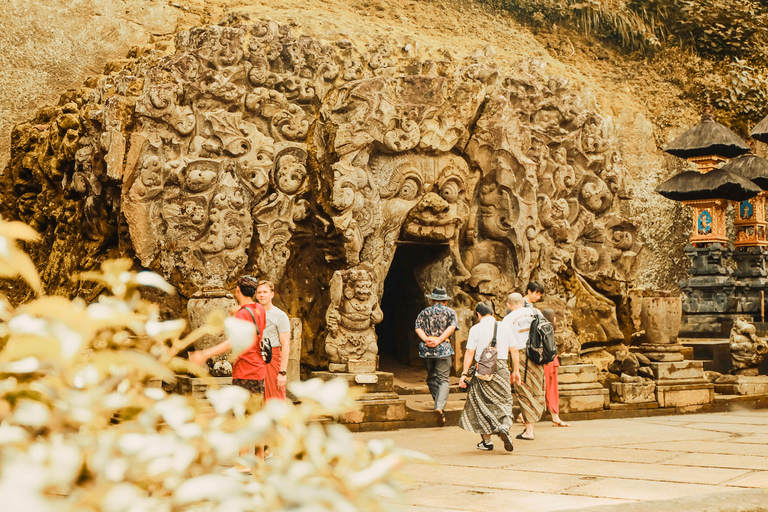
290 174
443 208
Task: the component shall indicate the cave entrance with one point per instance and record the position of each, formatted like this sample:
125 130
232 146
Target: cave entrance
416 268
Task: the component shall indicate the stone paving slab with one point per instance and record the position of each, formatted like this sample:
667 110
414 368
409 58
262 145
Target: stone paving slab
700 460
594 465
635 471
739 446
613 454
757 479
626 489
475 499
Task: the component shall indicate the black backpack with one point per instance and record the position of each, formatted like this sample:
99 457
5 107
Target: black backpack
541 348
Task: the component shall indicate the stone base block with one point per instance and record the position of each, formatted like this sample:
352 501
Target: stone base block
376 408
384 382
196 386
742 385
361 365
576 373
633 393
682 395
584 400
677 370
378 405
337 368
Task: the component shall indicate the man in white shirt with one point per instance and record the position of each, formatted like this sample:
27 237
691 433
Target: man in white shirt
488 409
530 391
278 332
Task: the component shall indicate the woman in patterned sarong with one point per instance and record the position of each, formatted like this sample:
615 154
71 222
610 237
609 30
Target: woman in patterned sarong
529 391
530 394
488 409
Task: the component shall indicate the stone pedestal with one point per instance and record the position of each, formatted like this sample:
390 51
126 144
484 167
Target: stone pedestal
680 384
742 385
379 405
294 357
580 390
633 393
657 315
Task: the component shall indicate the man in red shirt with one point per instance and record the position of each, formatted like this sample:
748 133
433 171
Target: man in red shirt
249 369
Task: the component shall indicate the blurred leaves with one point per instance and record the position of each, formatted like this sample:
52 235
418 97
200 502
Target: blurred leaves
84 426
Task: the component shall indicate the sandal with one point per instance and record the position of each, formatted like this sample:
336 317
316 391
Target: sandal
560 423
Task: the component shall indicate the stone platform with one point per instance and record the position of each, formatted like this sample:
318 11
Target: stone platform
681 384
380 407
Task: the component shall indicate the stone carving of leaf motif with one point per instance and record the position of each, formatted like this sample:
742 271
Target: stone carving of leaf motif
200 175
183 120
266 103
227 84
150 180
401 135
297 89
157 100
259 71
226 127
292 123
185 68
264 29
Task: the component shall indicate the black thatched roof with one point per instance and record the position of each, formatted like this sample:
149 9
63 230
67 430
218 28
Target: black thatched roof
751 167
760 131
707 138
716 184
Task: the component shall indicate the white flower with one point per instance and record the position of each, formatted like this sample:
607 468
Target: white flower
155 281
207 487
228 398
240 333
30 413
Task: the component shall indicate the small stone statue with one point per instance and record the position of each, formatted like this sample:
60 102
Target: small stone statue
351 317
747 350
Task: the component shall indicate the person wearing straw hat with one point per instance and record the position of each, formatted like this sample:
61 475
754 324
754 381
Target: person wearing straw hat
434 327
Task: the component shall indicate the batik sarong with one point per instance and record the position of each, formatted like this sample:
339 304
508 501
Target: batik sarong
489 403
530 394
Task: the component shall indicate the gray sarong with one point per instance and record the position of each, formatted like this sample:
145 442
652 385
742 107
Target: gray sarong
489 403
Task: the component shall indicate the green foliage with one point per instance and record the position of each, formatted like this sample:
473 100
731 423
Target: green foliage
713 48
82 429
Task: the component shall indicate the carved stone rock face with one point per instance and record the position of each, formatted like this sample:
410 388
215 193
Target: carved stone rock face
250 149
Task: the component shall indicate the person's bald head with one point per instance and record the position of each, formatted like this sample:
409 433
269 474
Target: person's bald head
515 301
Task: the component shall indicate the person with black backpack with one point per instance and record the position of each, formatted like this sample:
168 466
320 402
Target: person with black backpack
523 322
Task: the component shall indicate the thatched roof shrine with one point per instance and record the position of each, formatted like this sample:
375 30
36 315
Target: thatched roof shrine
751 167
716 184
707 138
760 131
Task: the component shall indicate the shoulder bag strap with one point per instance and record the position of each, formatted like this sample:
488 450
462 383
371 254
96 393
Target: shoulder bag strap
258 332
493 340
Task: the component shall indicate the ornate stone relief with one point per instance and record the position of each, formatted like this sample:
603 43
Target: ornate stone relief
352 315
219 147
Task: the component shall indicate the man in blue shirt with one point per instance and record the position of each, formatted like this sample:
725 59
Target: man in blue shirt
434 326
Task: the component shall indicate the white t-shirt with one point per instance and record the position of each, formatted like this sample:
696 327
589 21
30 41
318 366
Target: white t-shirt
480 336
277 322
519 324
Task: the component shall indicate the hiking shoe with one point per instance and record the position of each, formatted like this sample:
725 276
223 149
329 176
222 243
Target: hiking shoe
482 445
503 434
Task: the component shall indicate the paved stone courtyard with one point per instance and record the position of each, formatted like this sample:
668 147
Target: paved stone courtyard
593 463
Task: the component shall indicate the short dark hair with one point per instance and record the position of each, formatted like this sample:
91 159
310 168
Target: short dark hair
484 309
247 285
534 286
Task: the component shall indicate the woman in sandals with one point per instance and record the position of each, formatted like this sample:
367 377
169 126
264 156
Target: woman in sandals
488 409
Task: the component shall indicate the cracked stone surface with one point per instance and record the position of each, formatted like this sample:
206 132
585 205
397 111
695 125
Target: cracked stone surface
714 462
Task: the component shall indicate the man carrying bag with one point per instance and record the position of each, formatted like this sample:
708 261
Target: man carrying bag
488 409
